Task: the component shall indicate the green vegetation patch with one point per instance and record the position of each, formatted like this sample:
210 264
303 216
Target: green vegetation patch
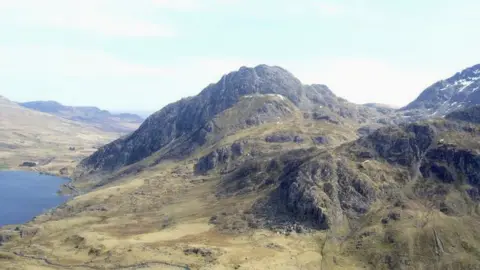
3 166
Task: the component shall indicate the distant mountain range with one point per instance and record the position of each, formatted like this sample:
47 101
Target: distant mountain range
102 119
44 138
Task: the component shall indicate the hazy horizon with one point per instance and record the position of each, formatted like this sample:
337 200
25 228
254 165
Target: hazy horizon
124 56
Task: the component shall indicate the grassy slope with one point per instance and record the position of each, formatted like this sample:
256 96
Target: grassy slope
155 216
27 135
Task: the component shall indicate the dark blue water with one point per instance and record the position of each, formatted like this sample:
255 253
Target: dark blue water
24 195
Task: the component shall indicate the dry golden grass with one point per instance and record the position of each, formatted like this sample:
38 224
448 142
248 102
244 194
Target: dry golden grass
27 135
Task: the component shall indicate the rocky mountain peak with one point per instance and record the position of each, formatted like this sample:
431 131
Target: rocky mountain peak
262 79
457 92
192 119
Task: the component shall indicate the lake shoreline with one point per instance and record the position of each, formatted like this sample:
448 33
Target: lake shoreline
30 197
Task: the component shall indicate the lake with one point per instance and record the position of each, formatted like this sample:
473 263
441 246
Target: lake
24 195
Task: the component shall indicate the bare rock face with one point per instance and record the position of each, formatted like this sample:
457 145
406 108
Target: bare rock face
220 156
238 148
471 114
311 190
64 171
28 164
283 137
444 163
211 161
325 117
322 190
401 145
6 236
26 232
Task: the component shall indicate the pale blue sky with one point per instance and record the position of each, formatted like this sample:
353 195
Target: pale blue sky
143 54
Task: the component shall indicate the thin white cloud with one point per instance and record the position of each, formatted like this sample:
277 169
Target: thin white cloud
63 62
102 17
106 25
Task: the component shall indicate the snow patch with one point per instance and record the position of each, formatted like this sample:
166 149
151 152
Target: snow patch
466 83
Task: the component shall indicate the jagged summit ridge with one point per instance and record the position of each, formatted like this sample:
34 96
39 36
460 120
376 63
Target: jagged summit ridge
262 79
457 92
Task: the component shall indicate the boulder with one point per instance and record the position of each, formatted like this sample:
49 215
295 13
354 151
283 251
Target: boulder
6 236
279 138
64 171
212 160
283 137
320 140
28 164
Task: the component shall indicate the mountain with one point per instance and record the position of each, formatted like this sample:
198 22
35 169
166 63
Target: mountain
259 171
457 92
404 197
94 116
259 95
49 141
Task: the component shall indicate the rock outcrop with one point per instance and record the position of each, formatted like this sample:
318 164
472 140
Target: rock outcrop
396 144
220 156
471 114
283 137
28 164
